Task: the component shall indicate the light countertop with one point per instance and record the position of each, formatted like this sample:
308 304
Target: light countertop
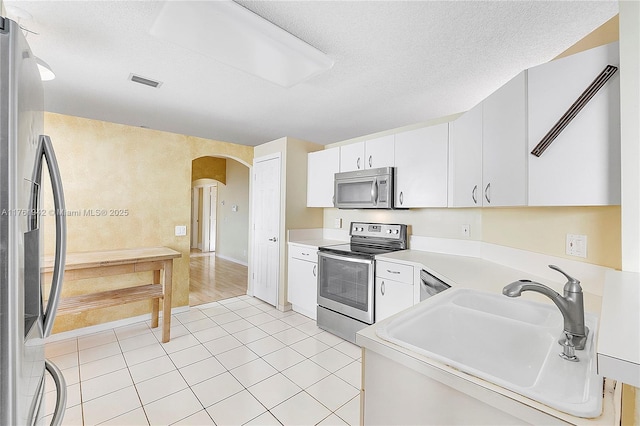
480 274
315 243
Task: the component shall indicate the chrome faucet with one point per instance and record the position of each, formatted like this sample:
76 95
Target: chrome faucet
571 306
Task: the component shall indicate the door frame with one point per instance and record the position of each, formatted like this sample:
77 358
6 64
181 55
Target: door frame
205 233
252 216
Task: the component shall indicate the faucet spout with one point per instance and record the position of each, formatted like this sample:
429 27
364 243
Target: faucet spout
570 304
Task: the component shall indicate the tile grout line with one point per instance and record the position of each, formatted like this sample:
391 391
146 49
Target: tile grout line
183 319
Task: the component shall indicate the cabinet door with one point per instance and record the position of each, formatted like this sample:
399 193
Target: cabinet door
421 167
582 165
391 297
465 159
303 286
379 152
352 157
321 168
504 156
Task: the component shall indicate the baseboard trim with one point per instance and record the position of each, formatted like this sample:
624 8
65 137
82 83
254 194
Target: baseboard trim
84 331
231 259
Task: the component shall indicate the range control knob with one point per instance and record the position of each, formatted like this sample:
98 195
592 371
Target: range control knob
396 231
388 231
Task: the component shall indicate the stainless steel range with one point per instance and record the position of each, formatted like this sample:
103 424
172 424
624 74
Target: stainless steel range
346 277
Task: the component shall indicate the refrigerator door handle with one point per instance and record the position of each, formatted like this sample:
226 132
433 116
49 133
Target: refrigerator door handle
61 389
46 150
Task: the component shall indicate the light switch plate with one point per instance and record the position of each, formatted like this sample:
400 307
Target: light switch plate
337 223
181 231
576 245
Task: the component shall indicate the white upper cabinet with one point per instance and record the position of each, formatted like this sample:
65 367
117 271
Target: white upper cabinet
582 165
321 168
352 157
421 167
368 154
379 152
504 155
465 159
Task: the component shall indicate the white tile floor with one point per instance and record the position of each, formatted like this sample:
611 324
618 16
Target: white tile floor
233 362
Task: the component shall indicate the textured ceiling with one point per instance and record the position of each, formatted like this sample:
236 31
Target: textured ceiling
396 63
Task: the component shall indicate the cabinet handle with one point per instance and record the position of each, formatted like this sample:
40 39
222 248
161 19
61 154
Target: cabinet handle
315 267
393 272
401 197
358 163
274 239
305 254
370 162
474 194
382 288
487 193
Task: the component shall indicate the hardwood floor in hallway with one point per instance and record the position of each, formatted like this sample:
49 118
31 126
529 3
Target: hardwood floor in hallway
214 278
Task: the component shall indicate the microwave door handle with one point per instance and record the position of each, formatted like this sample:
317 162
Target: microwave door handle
374 192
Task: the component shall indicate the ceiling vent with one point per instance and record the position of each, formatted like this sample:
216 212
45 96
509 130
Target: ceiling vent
145 81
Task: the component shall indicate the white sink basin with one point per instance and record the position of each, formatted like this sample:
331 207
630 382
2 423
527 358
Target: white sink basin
510 342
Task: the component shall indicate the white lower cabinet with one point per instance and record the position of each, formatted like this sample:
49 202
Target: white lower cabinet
394 289
303 279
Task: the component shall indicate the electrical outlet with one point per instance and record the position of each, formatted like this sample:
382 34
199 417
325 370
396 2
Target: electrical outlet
337 223
181 231
466 230
576 245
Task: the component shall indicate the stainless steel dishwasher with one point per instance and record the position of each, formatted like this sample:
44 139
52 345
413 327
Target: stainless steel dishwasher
430 285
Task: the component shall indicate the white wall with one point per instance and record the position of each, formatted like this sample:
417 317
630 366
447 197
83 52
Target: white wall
630 132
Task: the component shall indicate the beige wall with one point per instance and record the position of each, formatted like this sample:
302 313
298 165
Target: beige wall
144 172
233 227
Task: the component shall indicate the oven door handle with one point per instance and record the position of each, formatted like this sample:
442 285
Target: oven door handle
343 258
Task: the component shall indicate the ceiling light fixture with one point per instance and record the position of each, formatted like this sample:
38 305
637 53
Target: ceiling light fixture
46 73
229 33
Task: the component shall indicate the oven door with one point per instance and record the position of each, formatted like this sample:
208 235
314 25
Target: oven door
346 285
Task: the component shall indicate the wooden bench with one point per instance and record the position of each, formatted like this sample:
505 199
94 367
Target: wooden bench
116 262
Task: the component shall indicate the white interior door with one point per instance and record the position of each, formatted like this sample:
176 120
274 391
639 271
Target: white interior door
266 228
195 208
209 206
213 214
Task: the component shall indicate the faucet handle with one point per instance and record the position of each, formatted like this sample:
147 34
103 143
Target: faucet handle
568 348
572 285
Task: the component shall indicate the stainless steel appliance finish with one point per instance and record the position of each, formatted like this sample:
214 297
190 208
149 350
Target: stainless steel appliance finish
346 277
24 321
430 285
365 189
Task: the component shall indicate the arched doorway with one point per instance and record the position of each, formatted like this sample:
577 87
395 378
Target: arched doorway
219 229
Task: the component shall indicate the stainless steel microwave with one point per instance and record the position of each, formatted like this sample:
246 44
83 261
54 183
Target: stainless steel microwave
364 189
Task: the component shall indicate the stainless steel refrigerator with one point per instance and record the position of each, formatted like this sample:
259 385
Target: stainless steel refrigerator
25 319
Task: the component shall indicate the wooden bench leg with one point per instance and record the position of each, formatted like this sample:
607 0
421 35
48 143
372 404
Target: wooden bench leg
166 302
155 307
155 310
